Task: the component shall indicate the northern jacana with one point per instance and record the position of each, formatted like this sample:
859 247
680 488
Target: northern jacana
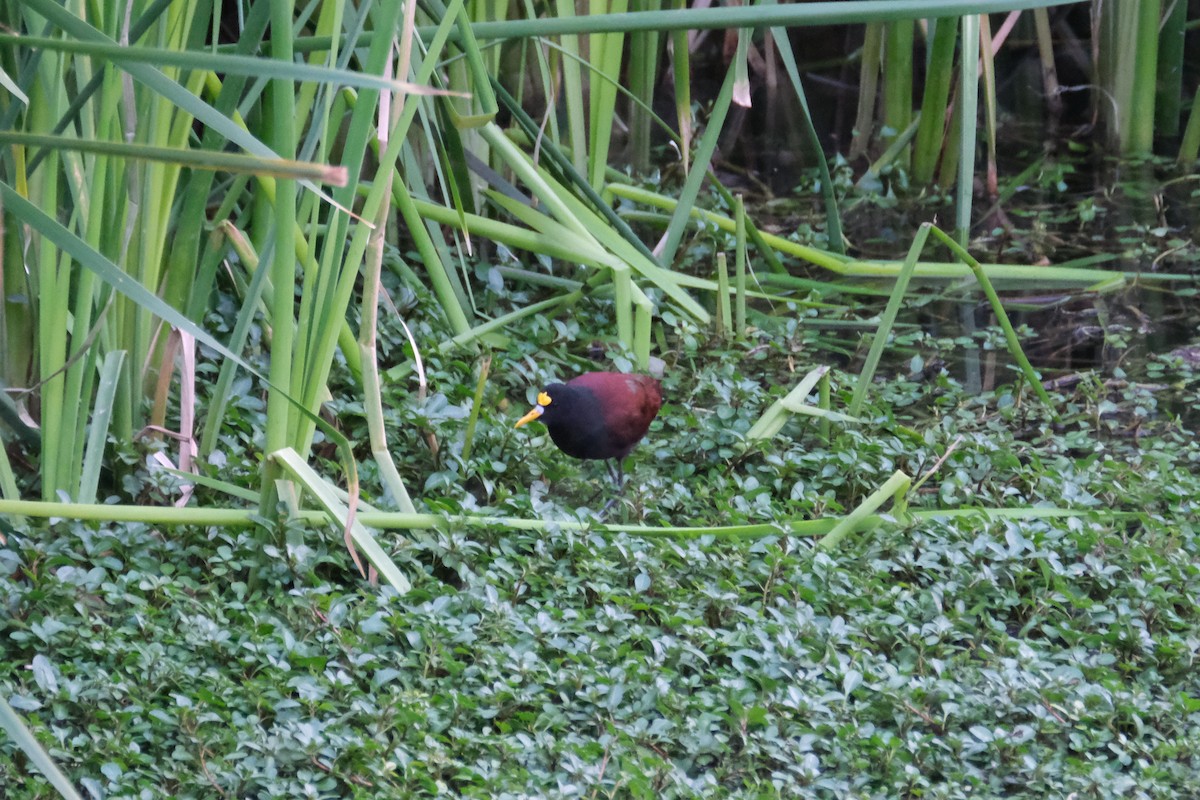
598 415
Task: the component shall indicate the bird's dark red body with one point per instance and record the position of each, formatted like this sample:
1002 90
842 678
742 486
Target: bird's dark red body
598 415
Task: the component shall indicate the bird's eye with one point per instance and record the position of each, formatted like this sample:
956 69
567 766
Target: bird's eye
543 399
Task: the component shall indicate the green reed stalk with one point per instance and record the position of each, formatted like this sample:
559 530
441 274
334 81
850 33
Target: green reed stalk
1168 105
282 107
1189 146
739 324
931 132
1050 85
681 69
870 68
605 56
1010 335
573 96
987 63
1140 127
898 79
722 321
1128 70
644 49
968 106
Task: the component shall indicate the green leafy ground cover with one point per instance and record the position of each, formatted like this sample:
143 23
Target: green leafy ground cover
960 657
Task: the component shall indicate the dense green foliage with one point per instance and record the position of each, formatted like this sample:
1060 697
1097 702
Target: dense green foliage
954 658
1031 634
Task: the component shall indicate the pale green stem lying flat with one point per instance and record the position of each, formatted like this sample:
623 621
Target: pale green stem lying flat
168 516
215 160
838 12
1021 273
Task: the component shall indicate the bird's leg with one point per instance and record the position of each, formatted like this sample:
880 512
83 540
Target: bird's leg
617 474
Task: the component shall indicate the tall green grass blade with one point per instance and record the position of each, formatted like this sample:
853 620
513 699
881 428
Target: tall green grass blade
281 98
603 247
207 60
107 271
483 101
643 74
605 51
870 68
938 77
899 289
93 460
767 253
681 72
1168 106
560 166
573 95
251 304
1189 145
898 43
739 270
968 106
988 63
187 102
10 86
833 218
20 734
8 479
485 366
1050 86
691 187
1140 129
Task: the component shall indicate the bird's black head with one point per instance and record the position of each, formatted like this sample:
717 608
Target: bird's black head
557 403
575 419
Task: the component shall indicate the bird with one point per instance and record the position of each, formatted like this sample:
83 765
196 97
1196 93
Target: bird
598 415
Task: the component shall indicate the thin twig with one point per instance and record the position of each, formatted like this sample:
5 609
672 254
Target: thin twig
937 464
